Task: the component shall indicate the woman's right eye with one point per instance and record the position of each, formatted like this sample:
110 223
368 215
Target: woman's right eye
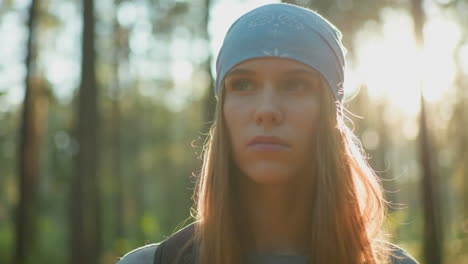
241 85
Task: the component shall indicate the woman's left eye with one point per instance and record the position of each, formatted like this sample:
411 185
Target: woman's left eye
296 85
241 85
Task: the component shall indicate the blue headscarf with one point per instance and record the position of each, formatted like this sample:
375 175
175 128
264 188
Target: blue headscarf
285 31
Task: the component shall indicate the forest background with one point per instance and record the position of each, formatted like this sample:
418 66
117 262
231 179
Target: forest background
105 105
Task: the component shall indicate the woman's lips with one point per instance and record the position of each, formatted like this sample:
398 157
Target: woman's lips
267 144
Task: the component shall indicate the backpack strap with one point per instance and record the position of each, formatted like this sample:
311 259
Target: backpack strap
168 250
158 253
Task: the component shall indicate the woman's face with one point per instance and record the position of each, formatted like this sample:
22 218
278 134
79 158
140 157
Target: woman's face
271 109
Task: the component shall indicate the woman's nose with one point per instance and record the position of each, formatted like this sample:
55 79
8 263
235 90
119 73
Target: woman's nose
268 112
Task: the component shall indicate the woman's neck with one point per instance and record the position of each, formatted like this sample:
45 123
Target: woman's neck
279 217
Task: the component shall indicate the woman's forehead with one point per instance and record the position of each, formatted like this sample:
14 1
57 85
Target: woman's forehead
272 64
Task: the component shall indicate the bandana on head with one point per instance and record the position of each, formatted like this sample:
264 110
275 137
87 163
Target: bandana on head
285 31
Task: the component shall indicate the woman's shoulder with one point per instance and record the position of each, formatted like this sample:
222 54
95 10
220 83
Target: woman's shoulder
400 256
146 254
141 255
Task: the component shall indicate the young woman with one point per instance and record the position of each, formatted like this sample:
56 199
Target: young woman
284 180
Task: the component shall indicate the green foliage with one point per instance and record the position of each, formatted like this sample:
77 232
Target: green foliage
6 241
149 225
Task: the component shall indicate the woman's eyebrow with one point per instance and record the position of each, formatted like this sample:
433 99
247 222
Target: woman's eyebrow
239 72
302 71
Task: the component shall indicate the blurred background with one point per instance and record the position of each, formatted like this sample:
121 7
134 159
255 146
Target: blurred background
104 107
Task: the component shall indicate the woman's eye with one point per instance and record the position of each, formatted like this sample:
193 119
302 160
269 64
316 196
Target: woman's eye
241 85
296 85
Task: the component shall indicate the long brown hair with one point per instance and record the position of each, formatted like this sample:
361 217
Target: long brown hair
350 201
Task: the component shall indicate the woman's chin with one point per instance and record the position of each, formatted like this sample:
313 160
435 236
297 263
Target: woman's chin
266 176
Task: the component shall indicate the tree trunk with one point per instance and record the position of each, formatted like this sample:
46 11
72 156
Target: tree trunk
116 129
29 152
293 2
85 218
432 228
210 101
458 135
